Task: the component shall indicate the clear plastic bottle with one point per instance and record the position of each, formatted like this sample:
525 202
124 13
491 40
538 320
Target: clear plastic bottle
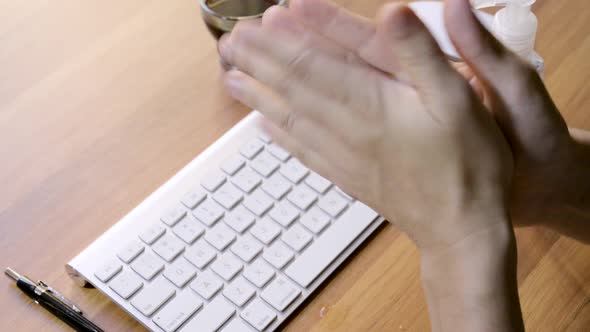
515 26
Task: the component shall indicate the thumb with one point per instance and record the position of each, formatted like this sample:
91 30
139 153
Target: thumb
517 96
419 58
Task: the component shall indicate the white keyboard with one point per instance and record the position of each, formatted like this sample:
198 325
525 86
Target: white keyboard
236 241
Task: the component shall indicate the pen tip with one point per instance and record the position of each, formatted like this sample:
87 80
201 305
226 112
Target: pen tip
12 274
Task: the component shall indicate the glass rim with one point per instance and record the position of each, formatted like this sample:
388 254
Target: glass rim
210 11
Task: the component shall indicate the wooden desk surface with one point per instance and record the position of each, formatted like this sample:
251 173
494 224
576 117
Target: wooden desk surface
102 101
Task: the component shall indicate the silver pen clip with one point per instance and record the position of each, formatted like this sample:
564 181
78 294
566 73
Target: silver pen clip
61 297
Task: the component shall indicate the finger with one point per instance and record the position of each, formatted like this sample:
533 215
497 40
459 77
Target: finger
484 54
478 89
279 18
308 132
300 99
355 33
345 28
287 65
256 95
517 95
309 157
417 53
465 71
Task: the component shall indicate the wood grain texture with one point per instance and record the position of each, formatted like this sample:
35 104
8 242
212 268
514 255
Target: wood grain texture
102 101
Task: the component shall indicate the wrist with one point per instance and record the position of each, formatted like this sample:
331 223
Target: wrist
472 286
475 263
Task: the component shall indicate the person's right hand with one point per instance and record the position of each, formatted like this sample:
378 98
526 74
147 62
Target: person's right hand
552 170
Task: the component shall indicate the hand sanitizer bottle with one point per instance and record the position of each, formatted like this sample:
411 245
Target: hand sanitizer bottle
515 26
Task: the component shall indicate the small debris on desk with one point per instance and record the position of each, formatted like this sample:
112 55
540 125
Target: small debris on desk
324 311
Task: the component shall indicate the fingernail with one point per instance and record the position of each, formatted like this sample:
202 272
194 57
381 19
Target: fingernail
233 85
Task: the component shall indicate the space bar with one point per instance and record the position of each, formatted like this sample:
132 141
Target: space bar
329 245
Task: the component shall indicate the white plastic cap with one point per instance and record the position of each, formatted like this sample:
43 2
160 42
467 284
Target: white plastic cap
479 4
515 25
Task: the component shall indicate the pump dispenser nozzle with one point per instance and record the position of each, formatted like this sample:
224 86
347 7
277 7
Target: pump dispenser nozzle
515 26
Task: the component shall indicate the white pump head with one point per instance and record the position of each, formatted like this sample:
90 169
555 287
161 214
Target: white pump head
515 25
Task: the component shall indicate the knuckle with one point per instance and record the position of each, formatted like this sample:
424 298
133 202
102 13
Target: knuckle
273 16
288 122
300 63
524 77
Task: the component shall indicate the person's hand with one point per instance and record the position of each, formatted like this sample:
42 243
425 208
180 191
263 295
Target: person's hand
401 130
552 170
378 109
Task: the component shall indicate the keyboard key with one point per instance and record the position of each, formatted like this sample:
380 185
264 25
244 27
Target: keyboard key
329 245
294 170
284 213
258 315
278 255
333 203
151 297
211 318
228 196
227 266
192 198
258 202
239 219
259 273
265 138
278 152
108 270
236 325
189 229
220 236
302 197
130 251
175 313
208 212
265 230
152 233
276 186
232 165
239 291
246 248
318 183
252 148
246 180
345 195
173 215
147 265
200 254
168 247
265 164
297 237
206 284
126 284
213 181
315 220
180 272
280 293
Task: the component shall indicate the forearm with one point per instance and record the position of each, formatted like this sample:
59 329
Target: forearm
472 286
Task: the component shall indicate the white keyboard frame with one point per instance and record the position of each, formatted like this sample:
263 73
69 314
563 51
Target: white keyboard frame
82 267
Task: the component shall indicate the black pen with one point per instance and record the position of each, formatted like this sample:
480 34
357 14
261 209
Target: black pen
54 302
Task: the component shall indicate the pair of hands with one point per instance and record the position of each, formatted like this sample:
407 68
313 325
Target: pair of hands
377 108
449 156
